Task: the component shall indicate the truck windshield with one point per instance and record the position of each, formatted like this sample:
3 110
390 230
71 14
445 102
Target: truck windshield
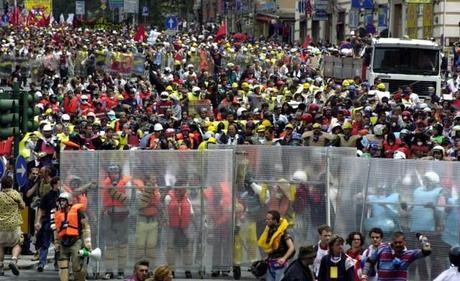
406 61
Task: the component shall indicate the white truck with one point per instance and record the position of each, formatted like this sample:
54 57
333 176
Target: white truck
399 62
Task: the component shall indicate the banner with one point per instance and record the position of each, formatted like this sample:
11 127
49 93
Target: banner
131 6
427 21
383 16
362 4
321 8
122 63
138 64
80 8
418 1
115 4
45 5
412 20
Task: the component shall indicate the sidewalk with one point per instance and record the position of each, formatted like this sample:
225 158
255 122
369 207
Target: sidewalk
26 262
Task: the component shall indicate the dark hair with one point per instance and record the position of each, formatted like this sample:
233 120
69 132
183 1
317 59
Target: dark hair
335 238
275 214
352 235
7 182
54 180
141 263
324 227
376 230
398 234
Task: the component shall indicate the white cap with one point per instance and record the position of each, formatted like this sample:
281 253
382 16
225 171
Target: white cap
91 114
47 128
240 111
158 127
65 117
84 97
208 134
399 155
196 89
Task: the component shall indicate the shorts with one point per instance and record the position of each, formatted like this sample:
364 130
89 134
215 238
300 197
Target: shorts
11 238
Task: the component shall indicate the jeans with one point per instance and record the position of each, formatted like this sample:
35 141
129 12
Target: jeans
44 238
275 272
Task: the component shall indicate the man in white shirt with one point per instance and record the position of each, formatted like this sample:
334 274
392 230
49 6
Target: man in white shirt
376 235
453 273
322 248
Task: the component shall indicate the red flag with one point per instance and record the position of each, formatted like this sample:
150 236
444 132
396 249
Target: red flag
30 18
15 16
308 8
307 41
140 33
221 32
44 21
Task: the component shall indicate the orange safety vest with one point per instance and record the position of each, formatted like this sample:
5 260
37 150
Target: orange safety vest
80 199
179 211
219 209
73 224
107 199
152 207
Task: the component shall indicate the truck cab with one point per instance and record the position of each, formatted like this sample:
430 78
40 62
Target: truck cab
412 62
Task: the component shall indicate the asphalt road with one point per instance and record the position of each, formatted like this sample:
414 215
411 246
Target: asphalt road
50 275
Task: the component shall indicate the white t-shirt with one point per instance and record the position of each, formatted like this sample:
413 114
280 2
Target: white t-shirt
319 255
450 274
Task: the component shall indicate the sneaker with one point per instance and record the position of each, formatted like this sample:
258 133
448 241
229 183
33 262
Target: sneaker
188 274
121 275
107 276
40 268
14 268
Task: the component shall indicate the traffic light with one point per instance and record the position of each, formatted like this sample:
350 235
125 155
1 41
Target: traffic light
29 111
9 116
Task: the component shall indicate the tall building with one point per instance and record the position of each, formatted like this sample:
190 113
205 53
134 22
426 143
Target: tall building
333 20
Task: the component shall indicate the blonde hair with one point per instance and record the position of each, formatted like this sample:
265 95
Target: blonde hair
161 272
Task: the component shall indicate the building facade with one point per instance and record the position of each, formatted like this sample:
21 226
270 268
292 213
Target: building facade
334 20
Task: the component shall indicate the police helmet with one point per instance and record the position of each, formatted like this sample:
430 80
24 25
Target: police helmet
113 167
65 195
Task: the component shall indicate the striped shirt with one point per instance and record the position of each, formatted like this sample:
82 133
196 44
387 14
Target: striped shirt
388 270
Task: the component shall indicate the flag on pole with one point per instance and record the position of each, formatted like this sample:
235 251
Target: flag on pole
307 41
140 33
308 8
221 32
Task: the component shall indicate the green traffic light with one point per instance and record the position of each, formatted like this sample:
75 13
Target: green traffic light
6 119
8 132
8 104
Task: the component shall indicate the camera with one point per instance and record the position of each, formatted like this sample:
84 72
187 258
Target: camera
396 263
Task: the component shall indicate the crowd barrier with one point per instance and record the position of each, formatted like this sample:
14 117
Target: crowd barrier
177 209
231 187
125 64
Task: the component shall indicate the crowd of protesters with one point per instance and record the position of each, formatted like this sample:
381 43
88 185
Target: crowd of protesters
203 88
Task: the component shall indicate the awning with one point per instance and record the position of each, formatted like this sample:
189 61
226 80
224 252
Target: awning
266 17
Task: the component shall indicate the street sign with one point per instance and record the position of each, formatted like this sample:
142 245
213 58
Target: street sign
145 11
171 22
21 171
2 168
